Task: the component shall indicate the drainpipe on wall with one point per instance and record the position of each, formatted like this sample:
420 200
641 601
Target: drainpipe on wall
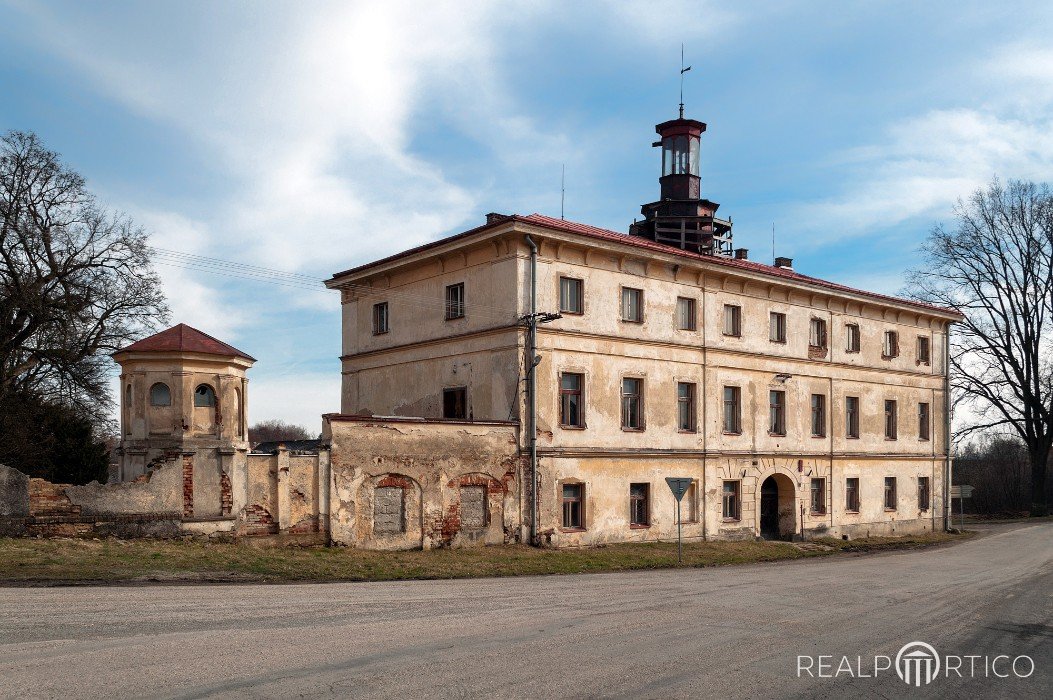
532 386
947 427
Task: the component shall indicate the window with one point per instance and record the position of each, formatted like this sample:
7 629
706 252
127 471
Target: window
818 496
689 504
923 350
777 327
731 500
851 338
455 403
473 508
852 416
777 412
890 493
574 506
890 419
640 505
380 318
852 494
732 412
455 301
818 415
204 396
632 404
890 345
632 305
817 333
923 421
685 407
571 296
923 493
570 400
160 395
732 320
685 314
389 510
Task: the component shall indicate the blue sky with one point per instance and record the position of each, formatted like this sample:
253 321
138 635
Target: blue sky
310 137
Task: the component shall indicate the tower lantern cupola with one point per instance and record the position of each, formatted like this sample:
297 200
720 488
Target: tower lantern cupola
682 218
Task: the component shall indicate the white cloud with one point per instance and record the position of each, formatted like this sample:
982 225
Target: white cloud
925 164
299 399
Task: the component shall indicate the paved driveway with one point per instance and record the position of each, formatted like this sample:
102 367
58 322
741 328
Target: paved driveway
720 633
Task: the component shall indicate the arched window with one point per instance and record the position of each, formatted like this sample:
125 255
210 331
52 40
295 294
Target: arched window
160 395
204 396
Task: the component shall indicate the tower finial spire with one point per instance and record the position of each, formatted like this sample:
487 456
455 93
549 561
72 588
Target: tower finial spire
682 71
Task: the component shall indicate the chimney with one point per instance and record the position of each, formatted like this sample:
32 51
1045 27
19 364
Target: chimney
742 254
493 218
784 262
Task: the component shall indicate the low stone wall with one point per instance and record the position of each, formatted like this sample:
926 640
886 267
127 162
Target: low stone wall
143 508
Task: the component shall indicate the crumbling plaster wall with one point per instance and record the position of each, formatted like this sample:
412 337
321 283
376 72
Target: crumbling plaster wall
430 461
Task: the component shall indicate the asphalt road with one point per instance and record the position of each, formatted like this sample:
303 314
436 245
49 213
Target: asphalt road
728 632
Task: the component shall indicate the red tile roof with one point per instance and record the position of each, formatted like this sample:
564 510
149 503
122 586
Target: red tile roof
638 242
183 338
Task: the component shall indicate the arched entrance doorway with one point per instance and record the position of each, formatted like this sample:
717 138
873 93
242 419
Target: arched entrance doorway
778 520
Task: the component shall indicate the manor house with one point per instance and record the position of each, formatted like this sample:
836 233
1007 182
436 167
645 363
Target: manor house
538 380
796 406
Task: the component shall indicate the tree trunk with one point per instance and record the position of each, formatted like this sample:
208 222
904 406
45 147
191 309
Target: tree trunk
1039 463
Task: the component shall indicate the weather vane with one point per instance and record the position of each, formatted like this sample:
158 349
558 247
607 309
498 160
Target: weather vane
682 71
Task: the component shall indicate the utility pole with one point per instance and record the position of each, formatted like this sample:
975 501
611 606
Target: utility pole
531 320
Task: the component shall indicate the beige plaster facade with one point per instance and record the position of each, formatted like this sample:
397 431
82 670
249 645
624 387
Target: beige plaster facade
402 367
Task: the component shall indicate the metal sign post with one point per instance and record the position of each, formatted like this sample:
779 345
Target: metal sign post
961 492
679 486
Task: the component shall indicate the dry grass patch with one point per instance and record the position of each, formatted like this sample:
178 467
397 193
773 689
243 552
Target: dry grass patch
112 560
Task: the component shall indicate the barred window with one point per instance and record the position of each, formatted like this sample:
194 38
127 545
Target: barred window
639 504
455 306
574 506
924 495
731 500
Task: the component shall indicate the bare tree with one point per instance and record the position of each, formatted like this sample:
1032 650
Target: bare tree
272 430
75 281
995 266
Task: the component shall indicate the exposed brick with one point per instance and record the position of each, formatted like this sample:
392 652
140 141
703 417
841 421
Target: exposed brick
188 486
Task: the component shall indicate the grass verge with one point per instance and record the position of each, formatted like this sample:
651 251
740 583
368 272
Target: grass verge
62 561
